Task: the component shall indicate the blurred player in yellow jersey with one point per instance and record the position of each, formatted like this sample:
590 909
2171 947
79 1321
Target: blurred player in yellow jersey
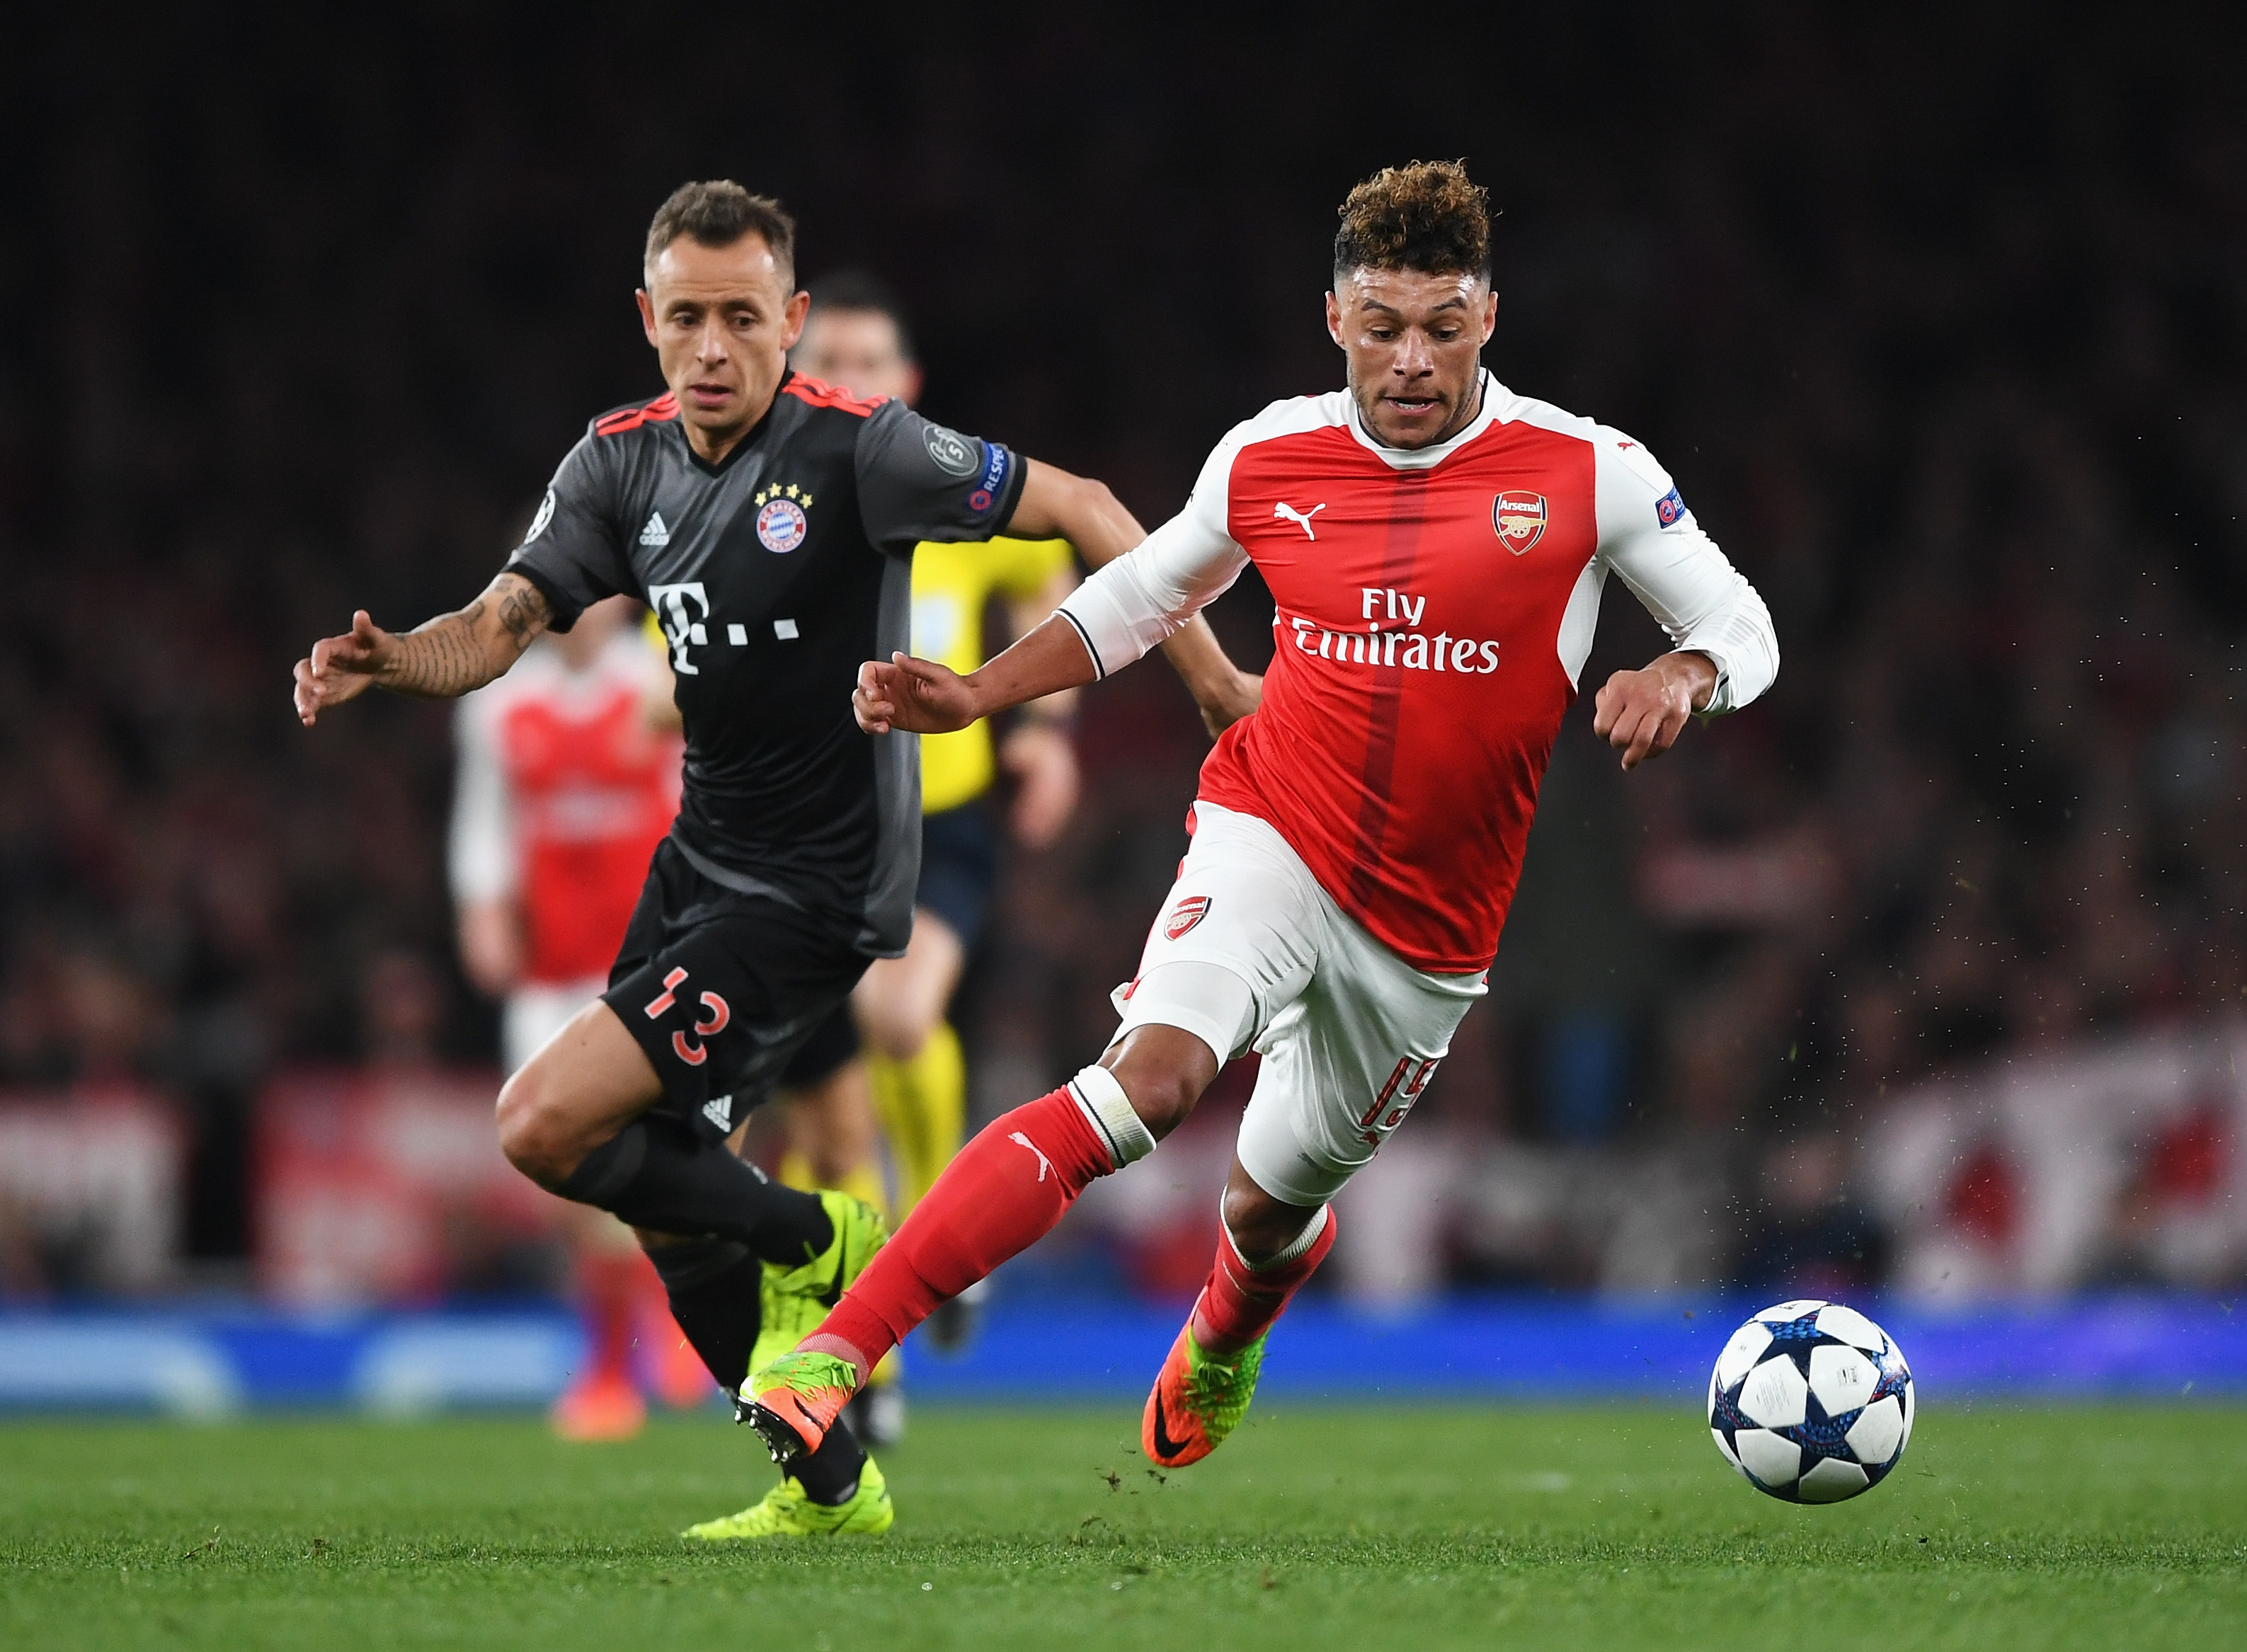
856 339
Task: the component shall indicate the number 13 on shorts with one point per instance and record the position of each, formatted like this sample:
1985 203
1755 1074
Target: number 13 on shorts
1410 1077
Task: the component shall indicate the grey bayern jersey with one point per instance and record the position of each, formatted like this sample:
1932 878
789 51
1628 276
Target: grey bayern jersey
775 573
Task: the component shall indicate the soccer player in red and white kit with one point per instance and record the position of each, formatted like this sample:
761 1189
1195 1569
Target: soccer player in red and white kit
1436 546
565 784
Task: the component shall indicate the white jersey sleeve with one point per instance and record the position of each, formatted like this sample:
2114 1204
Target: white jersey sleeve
1146 594
480 849
1652 542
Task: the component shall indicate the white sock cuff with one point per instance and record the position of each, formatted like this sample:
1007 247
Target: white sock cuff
1107 1110
1297 1248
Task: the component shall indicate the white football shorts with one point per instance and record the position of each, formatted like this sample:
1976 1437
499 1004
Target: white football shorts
537 1010
1249 952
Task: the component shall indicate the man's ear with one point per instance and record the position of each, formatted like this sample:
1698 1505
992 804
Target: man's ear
792 319
646 312
1489 315
1333 317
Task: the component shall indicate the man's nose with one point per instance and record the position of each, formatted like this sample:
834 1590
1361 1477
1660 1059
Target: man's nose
1413 356
711 348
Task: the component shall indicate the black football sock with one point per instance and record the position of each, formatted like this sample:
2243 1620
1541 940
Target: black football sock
830 1474
658 1176
713 1286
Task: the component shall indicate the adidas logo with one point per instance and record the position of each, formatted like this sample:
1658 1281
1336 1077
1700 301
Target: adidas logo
655 533
719 1110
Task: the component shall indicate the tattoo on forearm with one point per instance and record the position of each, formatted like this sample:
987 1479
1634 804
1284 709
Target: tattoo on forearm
457 653
523 610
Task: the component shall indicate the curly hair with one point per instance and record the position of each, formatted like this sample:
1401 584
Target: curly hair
1427 217
718 213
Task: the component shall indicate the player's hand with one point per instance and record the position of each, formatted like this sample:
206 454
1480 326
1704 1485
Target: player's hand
1642 712
1230 702
342 667
913 696
1042 759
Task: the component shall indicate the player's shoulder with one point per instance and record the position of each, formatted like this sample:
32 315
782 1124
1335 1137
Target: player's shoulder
822 396
650 416
1292 416
1617 455
1290 419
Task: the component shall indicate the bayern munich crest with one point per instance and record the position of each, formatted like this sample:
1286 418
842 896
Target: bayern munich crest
780 522
1519 517
1185 915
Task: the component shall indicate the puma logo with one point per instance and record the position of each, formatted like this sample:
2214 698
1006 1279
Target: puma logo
1044 1163
1299 518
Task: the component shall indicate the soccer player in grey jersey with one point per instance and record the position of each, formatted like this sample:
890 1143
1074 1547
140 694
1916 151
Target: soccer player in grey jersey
768 520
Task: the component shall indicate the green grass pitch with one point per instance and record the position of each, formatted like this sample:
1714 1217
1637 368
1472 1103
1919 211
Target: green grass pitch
1592 1529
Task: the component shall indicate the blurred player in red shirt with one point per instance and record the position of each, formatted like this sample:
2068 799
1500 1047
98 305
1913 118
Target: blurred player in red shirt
565 785
1436 545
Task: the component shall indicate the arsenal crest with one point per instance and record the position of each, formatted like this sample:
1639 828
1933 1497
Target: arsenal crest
1185 915
1518 518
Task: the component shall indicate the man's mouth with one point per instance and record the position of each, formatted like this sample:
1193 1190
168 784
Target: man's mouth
1411 406
706 394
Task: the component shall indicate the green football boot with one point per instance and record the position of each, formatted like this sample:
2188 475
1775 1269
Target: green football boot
1198 1400
792 1300
786 1511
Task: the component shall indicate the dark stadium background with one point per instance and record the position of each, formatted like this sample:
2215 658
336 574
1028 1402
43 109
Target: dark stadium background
1940 326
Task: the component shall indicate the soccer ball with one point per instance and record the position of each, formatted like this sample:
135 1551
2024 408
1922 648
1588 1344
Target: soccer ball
1811 1402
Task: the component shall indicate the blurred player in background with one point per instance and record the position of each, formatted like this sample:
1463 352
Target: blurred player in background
565 785
856 337
1436 547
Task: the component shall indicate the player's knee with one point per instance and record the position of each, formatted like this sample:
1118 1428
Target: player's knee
1261 1226
899 1031
1163 1072
534 1133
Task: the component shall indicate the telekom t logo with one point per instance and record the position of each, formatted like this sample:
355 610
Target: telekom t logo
682 624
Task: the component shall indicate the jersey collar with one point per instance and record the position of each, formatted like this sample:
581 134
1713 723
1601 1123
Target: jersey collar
1494 395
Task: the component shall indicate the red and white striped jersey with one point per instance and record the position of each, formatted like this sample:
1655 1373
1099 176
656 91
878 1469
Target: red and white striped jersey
1434 608
564 792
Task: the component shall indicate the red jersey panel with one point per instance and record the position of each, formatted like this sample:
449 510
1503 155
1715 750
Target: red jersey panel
579 792
1416 685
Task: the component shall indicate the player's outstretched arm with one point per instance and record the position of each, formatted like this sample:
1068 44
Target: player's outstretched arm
1082 511
445 656
920 697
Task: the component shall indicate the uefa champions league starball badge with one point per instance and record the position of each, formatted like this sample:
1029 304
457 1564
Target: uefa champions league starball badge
1811 1403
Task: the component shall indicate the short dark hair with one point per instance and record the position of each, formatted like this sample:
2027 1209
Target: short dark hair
1428 216
718 213
856 289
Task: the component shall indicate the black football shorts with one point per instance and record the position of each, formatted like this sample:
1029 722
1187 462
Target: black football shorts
721 989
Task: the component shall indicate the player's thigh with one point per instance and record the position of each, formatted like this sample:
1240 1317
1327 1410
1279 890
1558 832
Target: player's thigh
535 1012
584 1085
1344 1064
1244 908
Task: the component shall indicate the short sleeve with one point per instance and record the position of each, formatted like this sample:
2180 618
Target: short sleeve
918 480
572 552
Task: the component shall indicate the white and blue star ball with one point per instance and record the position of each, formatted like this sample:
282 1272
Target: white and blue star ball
1811 1402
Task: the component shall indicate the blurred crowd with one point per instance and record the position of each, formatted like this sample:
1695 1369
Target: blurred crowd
1945 340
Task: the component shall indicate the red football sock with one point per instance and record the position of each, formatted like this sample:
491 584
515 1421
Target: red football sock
1003 1194
609 1284
1239 1303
